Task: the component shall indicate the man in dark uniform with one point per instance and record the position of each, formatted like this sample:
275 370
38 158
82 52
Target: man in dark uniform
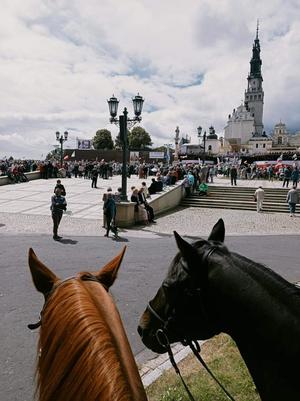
61 187
94 177
58 205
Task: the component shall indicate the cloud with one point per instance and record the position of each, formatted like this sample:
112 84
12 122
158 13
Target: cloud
60 61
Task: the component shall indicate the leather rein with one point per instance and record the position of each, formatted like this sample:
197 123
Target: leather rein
162 338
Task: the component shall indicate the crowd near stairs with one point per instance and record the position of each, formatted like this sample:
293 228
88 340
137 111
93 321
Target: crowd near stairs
241 198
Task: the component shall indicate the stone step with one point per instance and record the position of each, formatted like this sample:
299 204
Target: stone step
247 189
239 198
267 206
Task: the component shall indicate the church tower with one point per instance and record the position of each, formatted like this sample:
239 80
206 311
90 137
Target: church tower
254 95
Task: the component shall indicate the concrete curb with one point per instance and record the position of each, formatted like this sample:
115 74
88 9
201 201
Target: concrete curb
151 370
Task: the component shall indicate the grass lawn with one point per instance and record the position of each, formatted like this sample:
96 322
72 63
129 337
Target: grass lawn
223 358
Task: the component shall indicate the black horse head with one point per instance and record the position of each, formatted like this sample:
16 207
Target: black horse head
184 306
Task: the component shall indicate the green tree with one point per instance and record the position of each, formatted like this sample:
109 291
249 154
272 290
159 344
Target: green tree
103 139
54 154
139 139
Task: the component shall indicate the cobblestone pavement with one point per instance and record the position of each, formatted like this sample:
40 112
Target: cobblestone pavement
24 208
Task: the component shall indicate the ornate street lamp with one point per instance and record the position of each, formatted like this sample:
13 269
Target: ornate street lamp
124 122
61 138
202 137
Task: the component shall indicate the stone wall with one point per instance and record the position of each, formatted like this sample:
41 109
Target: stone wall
161 203
34 175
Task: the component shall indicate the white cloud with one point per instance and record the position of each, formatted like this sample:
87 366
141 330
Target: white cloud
60 61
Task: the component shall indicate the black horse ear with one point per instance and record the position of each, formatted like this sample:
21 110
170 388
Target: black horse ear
218 232
187 250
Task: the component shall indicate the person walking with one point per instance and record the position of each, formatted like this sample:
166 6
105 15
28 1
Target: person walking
286 176
233 175
61 187
259 195
186 184
110 212
94 177
58 205
104 199
295 176
292 198
270 173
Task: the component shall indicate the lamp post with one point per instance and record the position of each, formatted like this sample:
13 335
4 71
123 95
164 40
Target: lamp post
124 122
203 138
61 138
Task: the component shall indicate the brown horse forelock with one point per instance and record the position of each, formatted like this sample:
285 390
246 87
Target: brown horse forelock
84 352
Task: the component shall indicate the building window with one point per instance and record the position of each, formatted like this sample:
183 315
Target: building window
279 140
256 145
264 145
209 147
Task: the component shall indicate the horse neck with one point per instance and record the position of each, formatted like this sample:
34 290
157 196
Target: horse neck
124 354
85 352
257 309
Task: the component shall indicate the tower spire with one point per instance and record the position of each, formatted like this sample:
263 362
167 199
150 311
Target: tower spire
255 63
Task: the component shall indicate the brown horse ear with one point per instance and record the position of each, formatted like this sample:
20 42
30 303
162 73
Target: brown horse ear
109 272
187 250
218 232
42 277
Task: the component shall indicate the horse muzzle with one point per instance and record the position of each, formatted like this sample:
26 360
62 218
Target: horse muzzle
150 340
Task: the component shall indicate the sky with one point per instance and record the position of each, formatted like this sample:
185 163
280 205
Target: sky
60 61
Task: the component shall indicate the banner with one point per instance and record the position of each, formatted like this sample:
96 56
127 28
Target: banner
84 144
156 155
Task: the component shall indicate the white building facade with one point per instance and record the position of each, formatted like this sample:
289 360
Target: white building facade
246 121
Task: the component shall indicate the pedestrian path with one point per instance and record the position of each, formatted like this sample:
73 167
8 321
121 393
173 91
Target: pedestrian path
25 208
33 197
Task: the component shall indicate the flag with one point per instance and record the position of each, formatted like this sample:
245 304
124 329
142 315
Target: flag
295 157
280 158
73 154
66 157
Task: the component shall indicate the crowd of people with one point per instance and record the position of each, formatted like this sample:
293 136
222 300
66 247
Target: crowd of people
195 178
15 169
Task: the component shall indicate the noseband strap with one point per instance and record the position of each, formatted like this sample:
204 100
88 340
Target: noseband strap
155 314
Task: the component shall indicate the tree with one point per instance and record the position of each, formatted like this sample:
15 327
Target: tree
103 139
139 139
54 154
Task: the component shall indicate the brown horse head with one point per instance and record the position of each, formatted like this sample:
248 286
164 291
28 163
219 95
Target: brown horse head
45 280
84 353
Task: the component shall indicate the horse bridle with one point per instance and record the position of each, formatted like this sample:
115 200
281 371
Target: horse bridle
162 333
48 295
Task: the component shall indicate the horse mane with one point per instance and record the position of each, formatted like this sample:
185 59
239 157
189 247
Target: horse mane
74 341
275 284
